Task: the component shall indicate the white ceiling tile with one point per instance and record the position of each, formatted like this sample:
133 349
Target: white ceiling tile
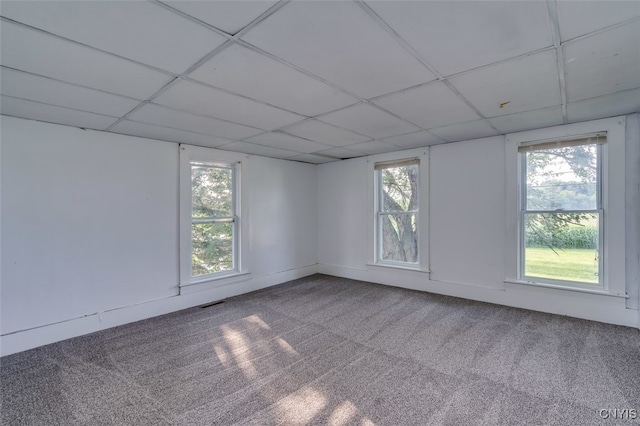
314 159
459 35
134 128
199 99
236 67
284 141
228 16
35 52
603 63
136 30
340 43
324 133
42 89
527 83
266 151
577 18
368 120
341 153
413 140
605 106
528 120
160 116
464 131
432 105
373 147
53 114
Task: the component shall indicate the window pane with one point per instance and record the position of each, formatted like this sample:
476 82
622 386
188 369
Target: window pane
399 240
562 178
562 246
212 248
399 188
212 191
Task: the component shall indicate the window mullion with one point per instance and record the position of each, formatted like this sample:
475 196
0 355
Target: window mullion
213 219
398 212
560 211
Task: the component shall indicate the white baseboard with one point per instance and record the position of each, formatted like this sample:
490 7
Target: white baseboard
607 309
39 336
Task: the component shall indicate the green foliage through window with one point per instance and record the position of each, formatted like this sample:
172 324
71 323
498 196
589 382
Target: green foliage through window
398 212
561 217
213 219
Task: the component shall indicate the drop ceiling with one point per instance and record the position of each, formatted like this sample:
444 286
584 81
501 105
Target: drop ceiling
318 81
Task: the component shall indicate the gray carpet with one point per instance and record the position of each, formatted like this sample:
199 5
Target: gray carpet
325 350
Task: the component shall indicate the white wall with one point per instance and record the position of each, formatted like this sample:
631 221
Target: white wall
633 210
90 231
467 187
283 213
89 222
343 211
466 232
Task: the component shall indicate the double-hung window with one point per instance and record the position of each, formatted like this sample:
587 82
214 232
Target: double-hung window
565 218
397 212
214 219
561 211
213 212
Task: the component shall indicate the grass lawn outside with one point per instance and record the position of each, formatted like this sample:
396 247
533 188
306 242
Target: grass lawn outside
568 264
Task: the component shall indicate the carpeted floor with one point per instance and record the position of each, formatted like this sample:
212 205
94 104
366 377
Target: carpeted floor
325 350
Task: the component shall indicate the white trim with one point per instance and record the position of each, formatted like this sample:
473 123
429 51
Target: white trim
523 211
189 154
595 307
421 154
402 266
569 287
219 279
38 336
613 201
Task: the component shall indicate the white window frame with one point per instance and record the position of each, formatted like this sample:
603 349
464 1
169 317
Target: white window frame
612 208
234 218
422 155
522 276
190 155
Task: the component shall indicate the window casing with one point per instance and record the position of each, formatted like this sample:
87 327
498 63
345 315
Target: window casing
213 225
612 278
397 212
561 223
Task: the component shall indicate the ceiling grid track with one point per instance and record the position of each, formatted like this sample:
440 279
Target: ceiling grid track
600 30
190 18
172 82
53 105
273 9
143 103
239 95
376 18
552 7
318 117
173 78
115 55
230 40
67 82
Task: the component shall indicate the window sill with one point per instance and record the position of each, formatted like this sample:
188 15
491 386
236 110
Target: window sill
401 267
224 279
599 291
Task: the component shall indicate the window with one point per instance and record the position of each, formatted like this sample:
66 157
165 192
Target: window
397 212
565 207
213 214
561 226
214 220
